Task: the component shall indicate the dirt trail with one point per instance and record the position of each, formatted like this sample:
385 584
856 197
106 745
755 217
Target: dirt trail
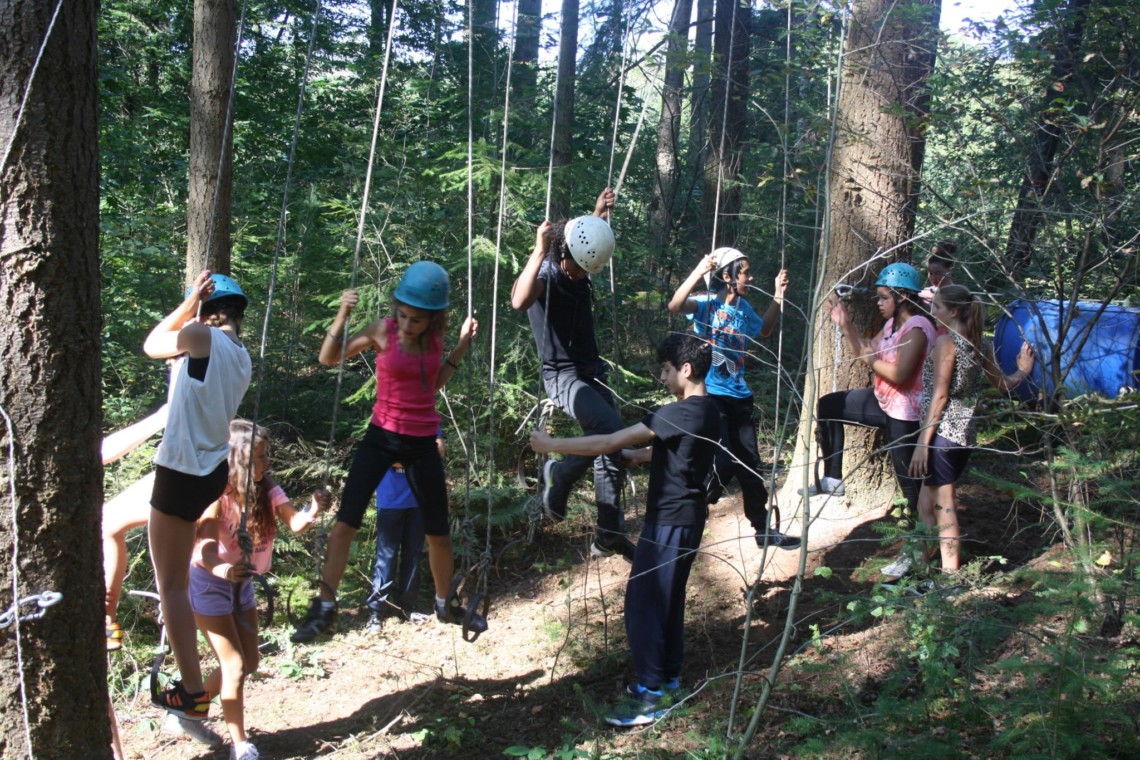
554 658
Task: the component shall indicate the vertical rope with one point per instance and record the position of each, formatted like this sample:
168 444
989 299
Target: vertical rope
724 125
360 230
277 247
28 88
491 377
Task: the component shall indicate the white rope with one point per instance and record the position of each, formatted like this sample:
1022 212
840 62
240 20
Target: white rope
491 377
360 227
16 576
28 87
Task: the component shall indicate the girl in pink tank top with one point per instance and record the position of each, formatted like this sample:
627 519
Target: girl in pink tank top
410 368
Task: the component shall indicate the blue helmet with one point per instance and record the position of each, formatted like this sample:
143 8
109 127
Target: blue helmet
224 286
900 276
425 286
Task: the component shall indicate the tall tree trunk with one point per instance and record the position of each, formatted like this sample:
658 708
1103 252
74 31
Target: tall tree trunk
50 385
524 77
699 103
727 123
563 146
486 41
669 129
873 194
214 38
1037 182
378 30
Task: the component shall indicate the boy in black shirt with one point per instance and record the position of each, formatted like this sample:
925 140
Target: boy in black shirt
684 436
555 291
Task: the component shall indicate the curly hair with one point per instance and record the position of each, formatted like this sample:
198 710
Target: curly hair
261 523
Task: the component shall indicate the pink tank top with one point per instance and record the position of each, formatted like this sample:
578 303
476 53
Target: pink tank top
405 387
902 401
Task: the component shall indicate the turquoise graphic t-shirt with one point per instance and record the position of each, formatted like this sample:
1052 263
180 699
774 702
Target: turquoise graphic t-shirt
729 330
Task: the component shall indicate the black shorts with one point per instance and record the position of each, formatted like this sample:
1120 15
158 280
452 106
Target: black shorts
187 496
947 462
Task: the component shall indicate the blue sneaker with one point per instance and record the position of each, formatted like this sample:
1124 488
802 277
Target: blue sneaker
642 708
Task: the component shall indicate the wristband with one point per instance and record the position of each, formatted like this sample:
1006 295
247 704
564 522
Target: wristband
451 364
334 336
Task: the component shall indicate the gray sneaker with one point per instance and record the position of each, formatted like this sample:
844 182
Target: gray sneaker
898 568
613 544
195 729
833 486
553 499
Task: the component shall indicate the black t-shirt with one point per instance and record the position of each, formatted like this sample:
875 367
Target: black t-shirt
683 449
570 342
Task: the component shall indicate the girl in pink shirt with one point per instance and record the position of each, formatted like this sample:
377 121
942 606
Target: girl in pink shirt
895 355
221 589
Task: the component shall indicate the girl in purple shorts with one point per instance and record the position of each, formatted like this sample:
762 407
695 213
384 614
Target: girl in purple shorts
951 380
221 590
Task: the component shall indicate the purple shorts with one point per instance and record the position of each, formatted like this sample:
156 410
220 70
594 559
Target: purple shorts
214 597
947 462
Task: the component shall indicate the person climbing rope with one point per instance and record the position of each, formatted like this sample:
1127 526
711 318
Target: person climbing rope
554 290
410 369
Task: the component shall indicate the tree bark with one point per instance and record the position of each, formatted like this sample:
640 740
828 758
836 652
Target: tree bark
563 146
873 194
524 77
699 103
669 128
214 33
727 123
50 383
1037 182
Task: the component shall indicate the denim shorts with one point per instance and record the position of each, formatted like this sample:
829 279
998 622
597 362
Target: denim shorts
214 597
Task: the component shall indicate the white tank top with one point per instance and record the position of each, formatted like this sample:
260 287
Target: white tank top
197 433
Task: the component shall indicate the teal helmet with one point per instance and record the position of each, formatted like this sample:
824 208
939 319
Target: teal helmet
900 276
424 286
225 286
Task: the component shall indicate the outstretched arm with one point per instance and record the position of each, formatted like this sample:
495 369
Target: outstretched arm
299 520
604 204
1003 382
591 445
772 315
680 303
122 442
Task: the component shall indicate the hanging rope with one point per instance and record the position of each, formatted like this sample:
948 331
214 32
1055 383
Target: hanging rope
28 89
360 233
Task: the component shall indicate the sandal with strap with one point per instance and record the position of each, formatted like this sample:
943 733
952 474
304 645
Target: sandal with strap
114 636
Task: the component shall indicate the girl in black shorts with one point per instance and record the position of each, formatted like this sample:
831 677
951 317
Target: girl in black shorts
951 379
190 466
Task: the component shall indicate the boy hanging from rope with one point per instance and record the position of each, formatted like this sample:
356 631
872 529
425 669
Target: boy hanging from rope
684 437
724 317
554 290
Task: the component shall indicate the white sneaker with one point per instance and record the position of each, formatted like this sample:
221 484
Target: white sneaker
243 751
195 729
833 486
898 568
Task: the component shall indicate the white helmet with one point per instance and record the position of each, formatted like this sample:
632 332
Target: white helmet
591 242
725 256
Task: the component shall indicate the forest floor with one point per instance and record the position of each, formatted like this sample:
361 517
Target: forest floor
555 657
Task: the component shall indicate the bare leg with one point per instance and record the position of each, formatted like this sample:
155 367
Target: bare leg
926 514
442 563
116 746
235 645
336 560
171 546
130 509
948 530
